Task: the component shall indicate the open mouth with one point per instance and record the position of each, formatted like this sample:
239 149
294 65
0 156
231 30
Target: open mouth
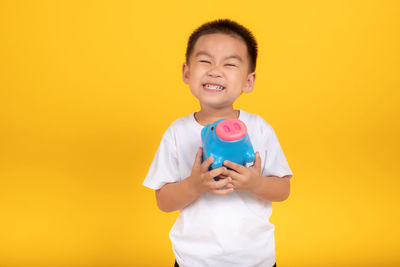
213 87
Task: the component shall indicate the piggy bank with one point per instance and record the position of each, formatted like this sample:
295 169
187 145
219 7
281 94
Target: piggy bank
227 140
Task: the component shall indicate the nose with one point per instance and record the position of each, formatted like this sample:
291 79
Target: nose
214 72
231 130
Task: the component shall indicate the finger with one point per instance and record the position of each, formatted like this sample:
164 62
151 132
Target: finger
206 164
222 176
234 175
222 191
216 172
222 183
234 184
230 185
235 166
198 158
257 162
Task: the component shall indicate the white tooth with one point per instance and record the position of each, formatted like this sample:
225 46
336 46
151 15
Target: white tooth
213 87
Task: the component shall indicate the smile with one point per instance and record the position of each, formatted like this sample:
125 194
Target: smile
213 87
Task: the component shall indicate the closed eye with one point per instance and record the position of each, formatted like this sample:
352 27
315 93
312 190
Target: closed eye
205 61
230 65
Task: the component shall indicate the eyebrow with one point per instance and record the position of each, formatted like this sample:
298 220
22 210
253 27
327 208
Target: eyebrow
235 57
204 53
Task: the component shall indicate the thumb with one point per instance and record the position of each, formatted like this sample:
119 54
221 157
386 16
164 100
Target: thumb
257 162
198 159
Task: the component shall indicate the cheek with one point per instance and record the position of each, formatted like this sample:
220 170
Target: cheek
237 79
197 75
193 71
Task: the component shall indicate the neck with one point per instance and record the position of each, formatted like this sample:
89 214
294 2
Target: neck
209 115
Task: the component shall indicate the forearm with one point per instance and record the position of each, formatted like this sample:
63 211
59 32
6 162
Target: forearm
176 196
273 189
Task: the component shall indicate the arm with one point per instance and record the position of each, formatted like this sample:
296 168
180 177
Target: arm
273 189
267 188
176 196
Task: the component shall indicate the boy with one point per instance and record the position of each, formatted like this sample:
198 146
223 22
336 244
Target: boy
224 222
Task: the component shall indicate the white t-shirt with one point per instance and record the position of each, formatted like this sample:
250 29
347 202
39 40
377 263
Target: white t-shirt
229 230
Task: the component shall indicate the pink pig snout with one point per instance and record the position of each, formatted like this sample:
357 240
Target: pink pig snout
231 130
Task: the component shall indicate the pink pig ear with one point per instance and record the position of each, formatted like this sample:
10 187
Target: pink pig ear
231 130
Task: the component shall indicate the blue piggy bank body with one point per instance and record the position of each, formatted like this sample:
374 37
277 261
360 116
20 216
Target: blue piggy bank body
239 151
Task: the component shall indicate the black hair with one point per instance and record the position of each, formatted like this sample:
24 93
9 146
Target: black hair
229 27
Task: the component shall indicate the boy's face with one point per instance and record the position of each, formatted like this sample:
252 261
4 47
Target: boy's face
218 70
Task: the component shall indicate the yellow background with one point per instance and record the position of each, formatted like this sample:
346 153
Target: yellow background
87 89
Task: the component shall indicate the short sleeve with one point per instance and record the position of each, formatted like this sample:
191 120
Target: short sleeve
164 167
275 163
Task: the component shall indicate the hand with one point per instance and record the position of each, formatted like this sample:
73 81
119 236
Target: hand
244 178
203 180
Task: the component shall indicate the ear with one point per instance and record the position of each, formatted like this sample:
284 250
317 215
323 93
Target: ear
251 79
185 73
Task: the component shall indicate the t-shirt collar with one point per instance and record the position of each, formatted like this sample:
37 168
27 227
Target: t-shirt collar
198 125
